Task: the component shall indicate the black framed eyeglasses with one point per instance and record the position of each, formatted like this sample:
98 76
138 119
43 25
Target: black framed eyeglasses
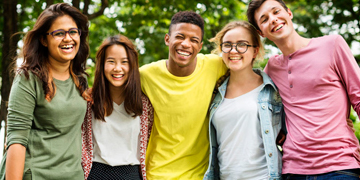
240 47
60 34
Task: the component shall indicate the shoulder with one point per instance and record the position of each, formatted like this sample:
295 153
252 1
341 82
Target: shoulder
209 57
152 66
328 40
25 77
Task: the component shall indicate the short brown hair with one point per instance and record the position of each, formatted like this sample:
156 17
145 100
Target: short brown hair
254 5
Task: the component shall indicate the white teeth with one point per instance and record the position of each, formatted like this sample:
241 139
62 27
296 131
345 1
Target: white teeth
117 76
67 46
279 27
183 53
235 58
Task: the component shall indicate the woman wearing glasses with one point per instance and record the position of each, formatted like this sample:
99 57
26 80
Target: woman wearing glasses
245 114
47 101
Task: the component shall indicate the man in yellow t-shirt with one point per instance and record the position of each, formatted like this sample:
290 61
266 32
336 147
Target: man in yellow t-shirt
180 89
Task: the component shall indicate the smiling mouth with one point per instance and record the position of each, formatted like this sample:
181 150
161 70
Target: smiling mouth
69 46
279 27
118 76
183 53
235 58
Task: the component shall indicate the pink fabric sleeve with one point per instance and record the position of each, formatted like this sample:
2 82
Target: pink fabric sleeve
349 72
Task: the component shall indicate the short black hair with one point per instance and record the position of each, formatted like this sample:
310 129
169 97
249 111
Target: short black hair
188 17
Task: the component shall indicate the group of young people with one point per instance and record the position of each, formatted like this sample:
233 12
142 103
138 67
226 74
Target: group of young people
211 116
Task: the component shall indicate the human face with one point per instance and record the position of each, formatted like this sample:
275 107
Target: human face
62 50
274 21
116 67
234 60
184 44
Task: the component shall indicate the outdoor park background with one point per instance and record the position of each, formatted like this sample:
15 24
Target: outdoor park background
147 21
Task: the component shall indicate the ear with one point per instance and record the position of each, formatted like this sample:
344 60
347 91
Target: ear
167 39
256 51
290 13
43 41
201 44
260 33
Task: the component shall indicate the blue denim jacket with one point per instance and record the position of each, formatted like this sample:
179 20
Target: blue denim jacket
270 107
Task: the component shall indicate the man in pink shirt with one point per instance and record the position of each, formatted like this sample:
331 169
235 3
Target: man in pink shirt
318 80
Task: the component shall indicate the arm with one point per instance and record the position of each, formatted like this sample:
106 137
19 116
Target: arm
20 119
15 162
348 71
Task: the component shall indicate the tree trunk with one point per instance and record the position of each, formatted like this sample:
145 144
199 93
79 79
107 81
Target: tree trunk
8 54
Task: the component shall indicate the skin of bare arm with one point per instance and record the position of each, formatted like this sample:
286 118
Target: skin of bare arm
15 162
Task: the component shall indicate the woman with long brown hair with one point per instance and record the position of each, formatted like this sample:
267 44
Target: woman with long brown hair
122 115
47 101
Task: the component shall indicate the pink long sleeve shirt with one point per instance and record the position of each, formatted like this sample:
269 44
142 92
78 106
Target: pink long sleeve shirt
318 84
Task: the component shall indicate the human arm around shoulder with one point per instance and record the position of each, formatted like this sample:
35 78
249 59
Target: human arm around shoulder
15 161
20 118
348 71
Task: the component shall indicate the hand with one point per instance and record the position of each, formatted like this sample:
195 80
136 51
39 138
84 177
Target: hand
280 138
350 124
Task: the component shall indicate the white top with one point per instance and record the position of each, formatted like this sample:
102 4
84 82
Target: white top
241 150
116 141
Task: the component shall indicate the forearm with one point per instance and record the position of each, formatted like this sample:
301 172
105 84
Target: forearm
15 162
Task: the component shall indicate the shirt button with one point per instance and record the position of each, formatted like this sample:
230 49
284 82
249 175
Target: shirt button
263 106
289 58
291 86
289 72
267 131
270 154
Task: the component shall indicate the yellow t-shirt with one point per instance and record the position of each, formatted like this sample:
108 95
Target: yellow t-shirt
179 143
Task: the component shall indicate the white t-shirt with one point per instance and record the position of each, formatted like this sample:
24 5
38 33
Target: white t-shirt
241 150
116 141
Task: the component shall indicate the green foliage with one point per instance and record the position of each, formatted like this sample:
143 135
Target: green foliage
355 118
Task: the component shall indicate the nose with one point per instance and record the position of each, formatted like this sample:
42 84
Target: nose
273 19
67 36
117 67
185 43
233 49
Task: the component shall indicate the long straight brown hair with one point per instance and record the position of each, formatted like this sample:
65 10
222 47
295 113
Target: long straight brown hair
36 55
103 103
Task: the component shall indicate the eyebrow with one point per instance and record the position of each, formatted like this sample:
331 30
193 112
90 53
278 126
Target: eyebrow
110 57
241 41
191 37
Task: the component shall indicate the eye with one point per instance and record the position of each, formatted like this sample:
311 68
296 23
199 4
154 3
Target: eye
73 32
226 45
241 45
264 20
277 11
59 33
195 40
110 61
179 37
125 61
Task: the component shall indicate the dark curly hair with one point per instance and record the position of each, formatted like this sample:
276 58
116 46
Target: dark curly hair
188 17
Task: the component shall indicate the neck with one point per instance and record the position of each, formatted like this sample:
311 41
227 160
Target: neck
290 45
117 94
243 77
181 71
60 71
